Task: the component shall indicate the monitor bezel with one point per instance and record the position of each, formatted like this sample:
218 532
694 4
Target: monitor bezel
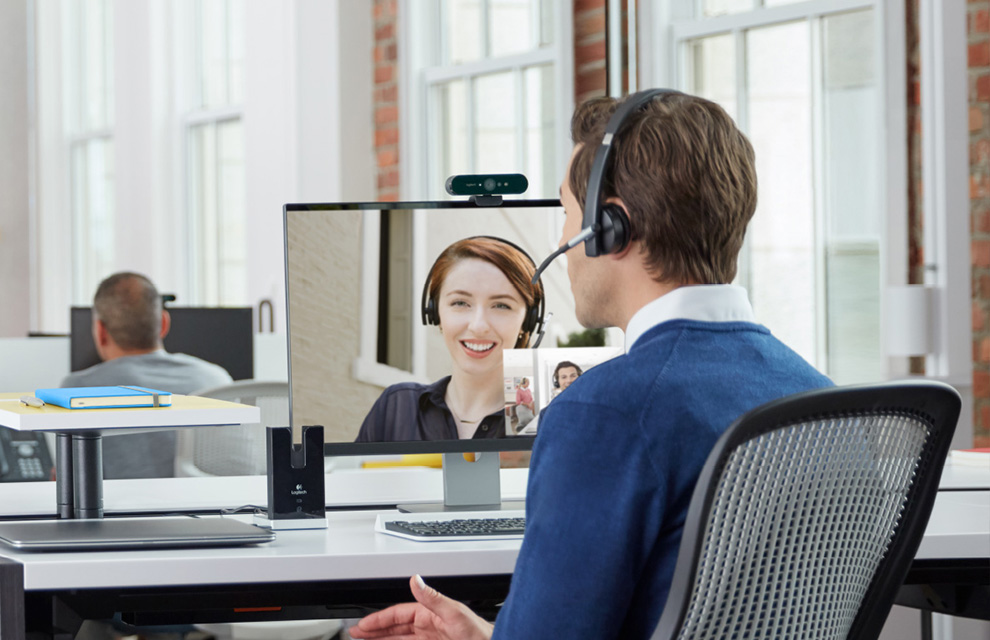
513 443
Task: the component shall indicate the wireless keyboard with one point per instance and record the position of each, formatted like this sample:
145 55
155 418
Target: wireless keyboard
476 525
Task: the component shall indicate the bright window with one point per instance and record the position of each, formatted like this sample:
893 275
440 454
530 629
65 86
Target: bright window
214 144
88 113
806 88
491 92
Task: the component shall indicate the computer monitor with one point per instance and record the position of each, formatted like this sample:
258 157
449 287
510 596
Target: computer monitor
221 335
355 275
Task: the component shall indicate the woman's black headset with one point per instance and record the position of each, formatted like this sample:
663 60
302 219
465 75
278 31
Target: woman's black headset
532 323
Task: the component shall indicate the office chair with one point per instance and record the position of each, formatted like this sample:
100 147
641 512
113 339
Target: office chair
808 514
237 450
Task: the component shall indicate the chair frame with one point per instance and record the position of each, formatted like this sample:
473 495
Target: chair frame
936 403
185 445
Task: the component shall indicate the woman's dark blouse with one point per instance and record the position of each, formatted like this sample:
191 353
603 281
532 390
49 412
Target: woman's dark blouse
413 411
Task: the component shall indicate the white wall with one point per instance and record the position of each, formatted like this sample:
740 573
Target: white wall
15 163
308 122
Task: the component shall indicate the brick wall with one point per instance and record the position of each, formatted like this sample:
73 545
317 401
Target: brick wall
978 47
916 240
589 49
385 101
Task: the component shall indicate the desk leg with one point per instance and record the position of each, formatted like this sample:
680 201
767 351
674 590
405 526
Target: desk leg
63 475
12 621
87 474
926 625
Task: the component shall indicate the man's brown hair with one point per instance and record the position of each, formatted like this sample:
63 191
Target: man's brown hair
130 308
686 175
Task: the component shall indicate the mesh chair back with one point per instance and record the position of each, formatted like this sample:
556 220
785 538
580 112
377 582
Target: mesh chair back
809 512
237 450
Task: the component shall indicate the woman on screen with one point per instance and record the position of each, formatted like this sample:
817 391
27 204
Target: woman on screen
479 293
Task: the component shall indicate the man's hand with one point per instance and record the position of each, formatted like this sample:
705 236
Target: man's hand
433 616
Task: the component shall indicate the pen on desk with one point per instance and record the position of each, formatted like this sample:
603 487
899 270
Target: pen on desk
31 401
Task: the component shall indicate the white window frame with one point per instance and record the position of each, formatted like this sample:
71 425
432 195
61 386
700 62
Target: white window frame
418 72
942 27
669 56
78 134
192 116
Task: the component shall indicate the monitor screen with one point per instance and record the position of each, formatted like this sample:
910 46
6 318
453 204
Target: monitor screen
221 335
355 301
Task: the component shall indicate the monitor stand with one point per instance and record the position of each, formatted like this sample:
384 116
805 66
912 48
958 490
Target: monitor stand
471 482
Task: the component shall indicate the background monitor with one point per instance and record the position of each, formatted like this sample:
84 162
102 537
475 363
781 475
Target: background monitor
354 281
221 335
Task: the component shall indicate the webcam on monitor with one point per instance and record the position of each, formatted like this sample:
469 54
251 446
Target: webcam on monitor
487 189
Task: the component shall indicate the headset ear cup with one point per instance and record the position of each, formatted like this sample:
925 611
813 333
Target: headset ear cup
614 234
430 315
532 319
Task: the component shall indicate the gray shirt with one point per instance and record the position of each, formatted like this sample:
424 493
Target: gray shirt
147 455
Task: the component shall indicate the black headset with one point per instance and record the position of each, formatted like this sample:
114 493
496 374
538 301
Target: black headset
607 224
532 323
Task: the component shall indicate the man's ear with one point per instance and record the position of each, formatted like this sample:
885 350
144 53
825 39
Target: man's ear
166 324
100 334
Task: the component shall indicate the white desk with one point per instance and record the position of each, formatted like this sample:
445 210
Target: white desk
346 567
78 454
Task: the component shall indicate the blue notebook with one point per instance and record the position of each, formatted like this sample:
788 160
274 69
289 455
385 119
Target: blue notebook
105 397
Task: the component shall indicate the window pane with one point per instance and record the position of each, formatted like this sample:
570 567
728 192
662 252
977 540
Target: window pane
92 170
233 229
96 66
781 236
213 53
510 26
546 22
539 131
235 66
495 147
462 30
713 64
203 222
217 224
852 197
711 8
452 123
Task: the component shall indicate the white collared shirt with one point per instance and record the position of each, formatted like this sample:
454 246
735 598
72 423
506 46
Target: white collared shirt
704 303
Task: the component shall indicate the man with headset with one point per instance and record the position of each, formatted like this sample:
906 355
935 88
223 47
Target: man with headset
659 190
565 373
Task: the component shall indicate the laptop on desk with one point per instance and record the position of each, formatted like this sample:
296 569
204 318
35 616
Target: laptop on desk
130 533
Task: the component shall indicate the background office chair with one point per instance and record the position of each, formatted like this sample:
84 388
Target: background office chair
238 450
808 514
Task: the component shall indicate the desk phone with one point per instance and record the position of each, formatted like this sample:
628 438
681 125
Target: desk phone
24 456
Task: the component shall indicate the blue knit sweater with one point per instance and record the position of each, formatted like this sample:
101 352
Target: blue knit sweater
613 469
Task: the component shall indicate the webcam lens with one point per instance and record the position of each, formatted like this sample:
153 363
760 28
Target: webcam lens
489 184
